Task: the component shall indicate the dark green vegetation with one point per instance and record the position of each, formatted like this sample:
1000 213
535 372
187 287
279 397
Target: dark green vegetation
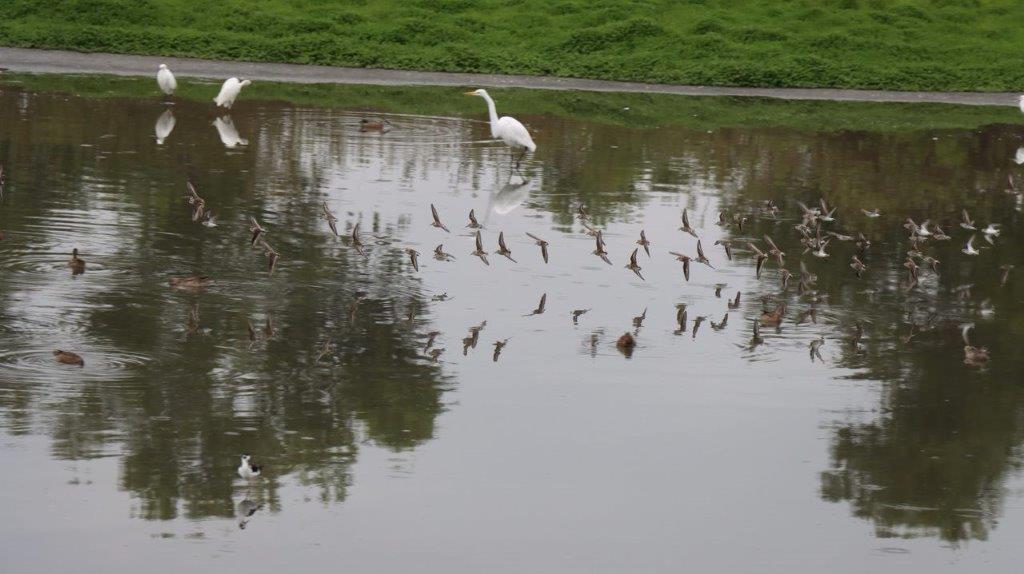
636 110
903 45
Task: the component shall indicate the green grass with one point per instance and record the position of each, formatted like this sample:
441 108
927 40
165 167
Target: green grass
887 44
623 109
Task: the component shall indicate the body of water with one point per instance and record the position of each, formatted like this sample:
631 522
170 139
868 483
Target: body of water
396 435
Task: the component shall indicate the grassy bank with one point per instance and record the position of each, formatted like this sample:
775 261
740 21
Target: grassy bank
625 109
886 44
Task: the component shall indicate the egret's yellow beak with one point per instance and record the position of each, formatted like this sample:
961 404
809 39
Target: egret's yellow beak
469 93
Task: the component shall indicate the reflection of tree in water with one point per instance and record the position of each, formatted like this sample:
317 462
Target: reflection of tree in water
180 421
933 460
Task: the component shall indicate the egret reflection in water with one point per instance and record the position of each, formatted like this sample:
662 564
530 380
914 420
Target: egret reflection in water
511 195
165 125
228 133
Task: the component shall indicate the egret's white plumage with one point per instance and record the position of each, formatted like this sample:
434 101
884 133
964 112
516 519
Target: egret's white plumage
228 133
506 128
229 91
165 79
1021 103
164 126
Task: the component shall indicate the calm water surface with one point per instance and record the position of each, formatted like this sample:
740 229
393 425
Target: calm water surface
559 455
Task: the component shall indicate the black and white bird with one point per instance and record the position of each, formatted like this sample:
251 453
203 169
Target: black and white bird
247 469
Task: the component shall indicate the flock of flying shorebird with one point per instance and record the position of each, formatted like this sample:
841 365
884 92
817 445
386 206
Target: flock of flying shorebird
814 239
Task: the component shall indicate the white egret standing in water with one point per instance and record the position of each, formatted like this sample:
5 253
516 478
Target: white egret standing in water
164 126
507 129
165 79
229 91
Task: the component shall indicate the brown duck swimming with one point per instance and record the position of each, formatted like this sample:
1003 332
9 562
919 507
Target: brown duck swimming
68 358
77 265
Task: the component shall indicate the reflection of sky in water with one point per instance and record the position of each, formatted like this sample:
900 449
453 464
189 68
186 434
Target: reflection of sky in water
698 446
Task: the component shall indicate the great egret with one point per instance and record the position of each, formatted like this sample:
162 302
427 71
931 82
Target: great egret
165 79
507 129
229 91
164 126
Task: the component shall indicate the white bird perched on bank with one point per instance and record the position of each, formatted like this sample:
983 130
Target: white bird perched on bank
506 128
165 79
229 91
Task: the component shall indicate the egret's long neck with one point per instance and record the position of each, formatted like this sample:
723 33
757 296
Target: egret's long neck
493 113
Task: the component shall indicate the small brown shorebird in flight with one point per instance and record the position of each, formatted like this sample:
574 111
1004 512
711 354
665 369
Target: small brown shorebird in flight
542 244
643 242
576 315
685 259
437 219
701 258
774 251
503 249
441 255
634 266
967 223
599 247
686 228
480 249
540 306
473 223
727 245
761 258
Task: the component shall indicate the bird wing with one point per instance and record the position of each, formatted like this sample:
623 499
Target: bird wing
501 241
514 133
479 242
433 211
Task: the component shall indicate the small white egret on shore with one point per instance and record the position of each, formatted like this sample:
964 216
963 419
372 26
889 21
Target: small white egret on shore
164 126
228 133
506 128
1018 158
165 79
229 91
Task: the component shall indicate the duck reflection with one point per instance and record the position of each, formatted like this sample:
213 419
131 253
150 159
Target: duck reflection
164 126
228 133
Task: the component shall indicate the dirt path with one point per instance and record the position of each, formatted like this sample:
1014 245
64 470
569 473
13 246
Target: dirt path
62 62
